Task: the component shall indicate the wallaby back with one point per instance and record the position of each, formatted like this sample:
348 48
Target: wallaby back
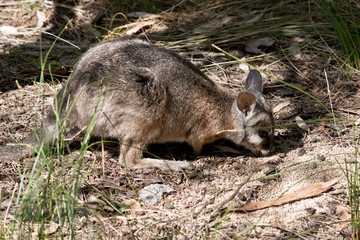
143 94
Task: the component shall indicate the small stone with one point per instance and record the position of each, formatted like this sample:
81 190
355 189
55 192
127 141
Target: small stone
241 160
281 155
337 191
238 165
312 138
192 175
267 179
346 233
314 165
193 194
308 148
250 193
332 210
271 169
18 111
241 197
319 204
168 206
301 152
153 193
320 157
263 180
206 172
311 211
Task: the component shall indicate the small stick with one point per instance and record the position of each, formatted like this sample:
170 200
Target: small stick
280 228
231 197
8 207
348 111
48 33
329 92
103 156
77 134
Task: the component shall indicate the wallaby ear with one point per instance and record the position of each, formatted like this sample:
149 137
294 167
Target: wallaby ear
253 82
246 102
143 75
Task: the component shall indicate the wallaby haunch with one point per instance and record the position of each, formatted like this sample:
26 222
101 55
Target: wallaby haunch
144 94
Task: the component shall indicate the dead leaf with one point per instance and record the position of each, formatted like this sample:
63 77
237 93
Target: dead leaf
322 126
255 19
134 206
95 203
344 216
311 190
341 227
50 228
280 106
358 92
301 123
8 30
295 52
201 53
210 26
300 86
244 67
136 27
41 19
253 46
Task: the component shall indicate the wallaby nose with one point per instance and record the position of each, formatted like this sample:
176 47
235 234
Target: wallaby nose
268 151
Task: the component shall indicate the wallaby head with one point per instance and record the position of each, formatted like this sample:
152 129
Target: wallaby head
256 119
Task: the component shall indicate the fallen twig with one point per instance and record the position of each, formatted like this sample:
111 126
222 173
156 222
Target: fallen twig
231 197
311 190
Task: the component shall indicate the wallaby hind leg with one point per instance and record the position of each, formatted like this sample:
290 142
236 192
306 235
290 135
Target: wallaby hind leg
131 155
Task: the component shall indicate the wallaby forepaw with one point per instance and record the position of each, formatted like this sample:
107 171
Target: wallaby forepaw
178 166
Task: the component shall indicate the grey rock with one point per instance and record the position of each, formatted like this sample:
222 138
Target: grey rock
153 193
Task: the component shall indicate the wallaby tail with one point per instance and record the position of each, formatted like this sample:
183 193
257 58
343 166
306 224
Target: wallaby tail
15 151
21 150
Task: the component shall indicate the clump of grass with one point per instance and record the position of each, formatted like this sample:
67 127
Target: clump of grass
48 193
351 171
343 18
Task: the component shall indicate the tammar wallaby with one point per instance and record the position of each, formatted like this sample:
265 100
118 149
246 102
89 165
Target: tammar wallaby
142 94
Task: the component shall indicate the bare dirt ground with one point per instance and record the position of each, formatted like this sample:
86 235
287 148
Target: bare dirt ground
302 157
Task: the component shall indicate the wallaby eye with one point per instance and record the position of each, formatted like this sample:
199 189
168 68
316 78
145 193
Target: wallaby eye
263 133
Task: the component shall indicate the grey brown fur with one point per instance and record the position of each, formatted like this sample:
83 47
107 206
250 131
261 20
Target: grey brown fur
144 94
